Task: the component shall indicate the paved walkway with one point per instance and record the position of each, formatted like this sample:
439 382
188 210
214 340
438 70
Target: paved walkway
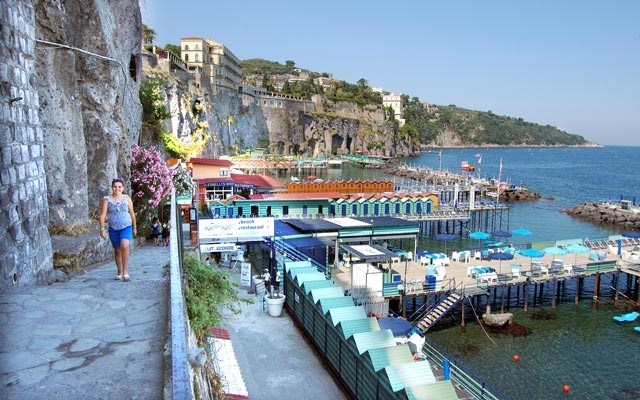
275 359
89 338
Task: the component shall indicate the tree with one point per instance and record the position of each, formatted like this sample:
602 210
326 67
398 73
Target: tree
175 49
290 64
148 35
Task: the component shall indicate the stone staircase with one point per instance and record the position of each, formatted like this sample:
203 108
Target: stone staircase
432 316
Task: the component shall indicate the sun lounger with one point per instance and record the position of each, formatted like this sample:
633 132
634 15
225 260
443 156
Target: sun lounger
629 317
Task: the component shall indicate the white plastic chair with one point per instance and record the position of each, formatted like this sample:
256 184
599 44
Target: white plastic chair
424 261
455 256
409 256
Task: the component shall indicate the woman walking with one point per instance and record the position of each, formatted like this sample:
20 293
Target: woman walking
118 211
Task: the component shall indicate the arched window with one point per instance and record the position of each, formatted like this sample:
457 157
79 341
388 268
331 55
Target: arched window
197 57
186 58
186 47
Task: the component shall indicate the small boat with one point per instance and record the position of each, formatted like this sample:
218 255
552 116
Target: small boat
295 179
467 166
629 317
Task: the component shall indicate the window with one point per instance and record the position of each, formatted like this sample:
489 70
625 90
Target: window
285 210
197 57
186 47
197 47
186 58
224 172
255 211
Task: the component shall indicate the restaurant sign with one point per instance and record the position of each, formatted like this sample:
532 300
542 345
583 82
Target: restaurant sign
235 229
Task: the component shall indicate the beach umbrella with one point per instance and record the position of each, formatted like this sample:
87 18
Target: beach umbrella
631 234
522 233
446 237
577 249
555 250
479 235
501 234
500 256
532 253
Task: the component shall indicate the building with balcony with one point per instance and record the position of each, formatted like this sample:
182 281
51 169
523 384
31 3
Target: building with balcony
214 59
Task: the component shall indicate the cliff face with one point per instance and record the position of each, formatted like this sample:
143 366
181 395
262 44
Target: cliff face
89 104
318 128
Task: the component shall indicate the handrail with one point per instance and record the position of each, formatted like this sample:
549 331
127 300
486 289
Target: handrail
422 311
180 375
461 374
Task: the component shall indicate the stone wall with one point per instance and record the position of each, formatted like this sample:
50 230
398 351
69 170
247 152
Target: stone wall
25 246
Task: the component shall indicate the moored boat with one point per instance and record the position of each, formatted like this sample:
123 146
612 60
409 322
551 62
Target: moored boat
467 166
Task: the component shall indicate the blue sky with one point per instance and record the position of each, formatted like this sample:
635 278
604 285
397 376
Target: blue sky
571 64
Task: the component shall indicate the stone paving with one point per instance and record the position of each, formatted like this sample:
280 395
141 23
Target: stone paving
88 338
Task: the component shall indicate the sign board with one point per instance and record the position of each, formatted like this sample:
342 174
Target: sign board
245 274
237 229
218 248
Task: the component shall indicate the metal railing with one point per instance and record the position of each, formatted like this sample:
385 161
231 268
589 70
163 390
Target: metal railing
180 377
448 287
462 375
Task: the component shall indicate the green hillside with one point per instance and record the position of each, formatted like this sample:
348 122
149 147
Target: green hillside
426 124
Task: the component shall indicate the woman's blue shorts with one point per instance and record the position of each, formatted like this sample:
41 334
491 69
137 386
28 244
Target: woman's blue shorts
116 235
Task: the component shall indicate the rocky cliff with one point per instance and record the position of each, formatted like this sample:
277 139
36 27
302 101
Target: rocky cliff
87 72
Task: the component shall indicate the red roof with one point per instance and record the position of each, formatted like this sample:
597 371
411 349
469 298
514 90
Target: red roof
211 161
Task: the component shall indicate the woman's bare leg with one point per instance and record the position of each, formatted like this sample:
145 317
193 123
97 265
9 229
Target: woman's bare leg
124 250
117 254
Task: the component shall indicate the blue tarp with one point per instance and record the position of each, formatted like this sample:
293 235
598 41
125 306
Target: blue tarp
397 326
308 242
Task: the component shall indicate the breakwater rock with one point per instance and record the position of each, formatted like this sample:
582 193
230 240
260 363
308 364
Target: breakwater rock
607 213
519 194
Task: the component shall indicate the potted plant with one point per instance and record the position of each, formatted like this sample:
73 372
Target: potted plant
275 299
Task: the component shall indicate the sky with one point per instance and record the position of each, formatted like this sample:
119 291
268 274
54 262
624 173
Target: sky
573 64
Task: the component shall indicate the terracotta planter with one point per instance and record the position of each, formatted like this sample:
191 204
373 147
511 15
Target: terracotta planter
274 305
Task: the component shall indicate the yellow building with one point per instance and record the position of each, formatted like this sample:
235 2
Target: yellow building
214 60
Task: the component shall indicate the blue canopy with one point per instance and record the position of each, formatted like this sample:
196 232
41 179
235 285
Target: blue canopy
522 232
398 326
478 235
577 248
500 256
554 250
500 233
532 253
631 234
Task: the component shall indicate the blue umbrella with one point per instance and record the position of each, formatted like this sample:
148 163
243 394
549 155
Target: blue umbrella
500 233
631 234
577 249
479 235
500 256
554 250
522 232
446 237
532 253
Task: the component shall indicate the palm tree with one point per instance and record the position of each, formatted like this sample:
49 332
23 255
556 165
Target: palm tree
148 34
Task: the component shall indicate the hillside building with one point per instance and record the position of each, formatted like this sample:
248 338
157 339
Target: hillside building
214 60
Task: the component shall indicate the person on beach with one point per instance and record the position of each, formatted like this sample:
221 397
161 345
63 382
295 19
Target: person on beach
155 231
166 232
118 211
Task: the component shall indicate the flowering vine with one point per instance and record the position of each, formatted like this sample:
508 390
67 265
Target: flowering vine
151 183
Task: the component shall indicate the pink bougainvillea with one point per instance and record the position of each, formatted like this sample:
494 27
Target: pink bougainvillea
150 181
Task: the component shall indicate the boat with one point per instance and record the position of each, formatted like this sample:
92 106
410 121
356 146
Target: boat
467 166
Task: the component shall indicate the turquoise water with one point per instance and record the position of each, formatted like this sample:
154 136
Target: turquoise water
582 347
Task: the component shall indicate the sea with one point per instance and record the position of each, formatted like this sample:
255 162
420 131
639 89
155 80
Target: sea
577 345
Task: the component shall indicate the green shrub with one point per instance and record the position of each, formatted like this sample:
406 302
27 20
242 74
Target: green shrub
208 294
